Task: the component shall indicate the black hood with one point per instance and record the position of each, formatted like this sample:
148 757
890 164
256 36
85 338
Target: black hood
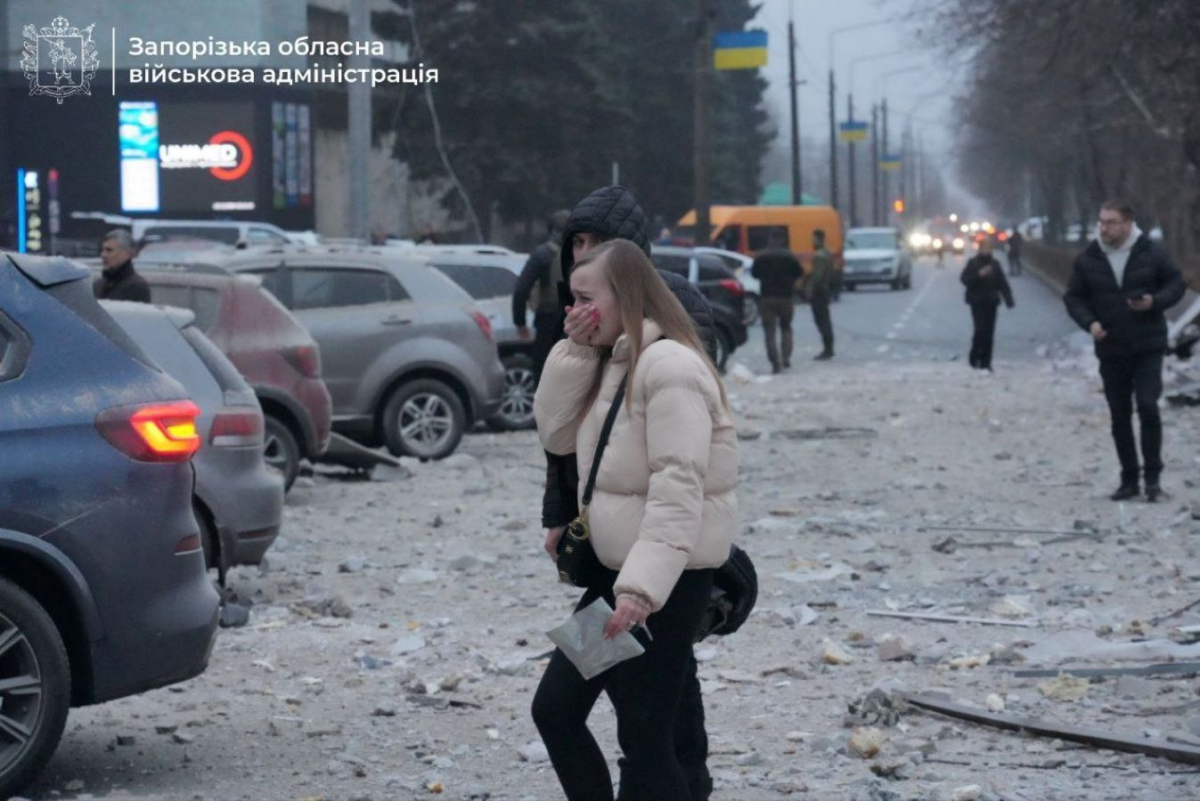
611 211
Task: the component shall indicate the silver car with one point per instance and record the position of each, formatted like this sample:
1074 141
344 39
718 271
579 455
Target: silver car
238 499
410 361
491 279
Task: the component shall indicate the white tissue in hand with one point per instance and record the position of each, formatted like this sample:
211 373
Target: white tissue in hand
581 639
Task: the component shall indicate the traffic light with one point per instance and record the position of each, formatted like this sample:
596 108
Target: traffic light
898 205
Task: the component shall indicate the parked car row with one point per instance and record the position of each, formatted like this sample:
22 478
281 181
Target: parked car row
101 556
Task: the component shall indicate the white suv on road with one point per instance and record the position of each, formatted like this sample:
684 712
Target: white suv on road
876 256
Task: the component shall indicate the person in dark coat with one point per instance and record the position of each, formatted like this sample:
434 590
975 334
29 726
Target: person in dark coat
1016 246
612 212
119 281
1120 287
777 270
820 286
537 289
986 285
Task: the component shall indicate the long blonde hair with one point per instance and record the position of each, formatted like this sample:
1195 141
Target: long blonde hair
642 294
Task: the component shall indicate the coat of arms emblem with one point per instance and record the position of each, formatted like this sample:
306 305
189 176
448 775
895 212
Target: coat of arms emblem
59 60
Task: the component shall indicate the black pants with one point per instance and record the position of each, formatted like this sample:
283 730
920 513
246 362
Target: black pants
820 310
660 715
777 312
548 329
984 316
1129 380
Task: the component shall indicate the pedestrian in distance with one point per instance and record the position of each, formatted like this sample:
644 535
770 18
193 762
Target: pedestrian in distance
1016 245
607 214
778 271
662 517
537 290
1120 287
119 280
819 287
986 285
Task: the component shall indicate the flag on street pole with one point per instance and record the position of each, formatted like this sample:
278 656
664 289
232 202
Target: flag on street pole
740 50
889 163
852 131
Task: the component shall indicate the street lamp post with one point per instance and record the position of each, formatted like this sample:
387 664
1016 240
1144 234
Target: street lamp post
850 148
833 167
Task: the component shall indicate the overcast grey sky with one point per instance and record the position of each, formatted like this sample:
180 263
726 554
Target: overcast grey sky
925 89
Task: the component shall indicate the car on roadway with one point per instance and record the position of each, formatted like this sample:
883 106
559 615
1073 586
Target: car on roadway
103 589
268 346
720 286
876 256
238 499
409 359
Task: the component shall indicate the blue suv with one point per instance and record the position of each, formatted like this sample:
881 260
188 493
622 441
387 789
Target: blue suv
103 589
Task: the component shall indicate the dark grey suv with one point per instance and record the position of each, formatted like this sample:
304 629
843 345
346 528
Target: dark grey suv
408 358
103 591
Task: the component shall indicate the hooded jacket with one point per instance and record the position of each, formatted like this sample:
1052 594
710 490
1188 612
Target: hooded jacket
611 212
665 498
1093 294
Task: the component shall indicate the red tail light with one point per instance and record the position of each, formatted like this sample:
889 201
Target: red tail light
164 432
237 428
306 359
733 286
485 325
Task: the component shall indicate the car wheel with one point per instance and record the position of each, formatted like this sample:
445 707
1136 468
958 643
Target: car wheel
851 287
35 688
520 383
751 309
725 348
280 450
208 536
425 419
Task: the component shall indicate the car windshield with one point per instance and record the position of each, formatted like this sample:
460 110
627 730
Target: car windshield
870 240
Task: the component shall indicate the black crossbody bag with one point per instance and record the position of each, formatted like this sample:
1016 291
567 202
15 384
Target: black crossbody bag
577 561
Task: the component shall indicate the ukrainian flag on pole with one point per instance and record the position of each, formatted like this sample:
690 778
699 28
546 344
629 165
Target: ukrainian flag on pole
742 50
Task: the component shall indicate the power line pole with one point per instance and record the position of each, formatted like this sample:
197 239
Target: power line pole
874 165
797 187
850 167
701 155
359 128
887 177
833 155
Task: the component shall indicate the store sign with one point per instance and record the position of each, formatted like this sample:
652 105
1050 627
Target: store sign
30 226
173 162
227 155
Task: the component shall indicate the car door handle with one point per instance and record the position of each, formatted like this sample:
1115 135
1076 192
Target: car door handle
394 320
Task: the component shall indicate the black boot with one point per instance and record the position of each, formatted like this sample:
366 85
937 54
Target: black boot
1154 491
1125 492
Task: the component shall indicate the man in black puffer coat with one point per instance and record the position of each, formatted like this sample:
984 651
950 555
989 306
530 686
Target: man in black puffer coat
612 212
1120 286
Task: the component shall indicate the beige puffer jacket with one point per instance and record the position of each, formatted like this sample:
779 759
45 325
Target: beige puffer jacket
666 494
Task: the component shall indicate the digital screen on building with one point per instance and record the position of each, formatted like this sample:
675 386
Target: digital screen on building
138 137
188 158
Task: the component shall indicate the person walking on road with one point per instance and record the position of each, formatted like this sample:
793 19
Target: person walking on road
537 290
819 289
662 518
1120 287
986 285
119 280
778 270
607 214
1016 243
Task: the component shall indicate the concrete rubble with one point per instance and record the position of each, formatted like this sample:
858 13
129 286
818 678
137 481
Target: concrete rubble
394 638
